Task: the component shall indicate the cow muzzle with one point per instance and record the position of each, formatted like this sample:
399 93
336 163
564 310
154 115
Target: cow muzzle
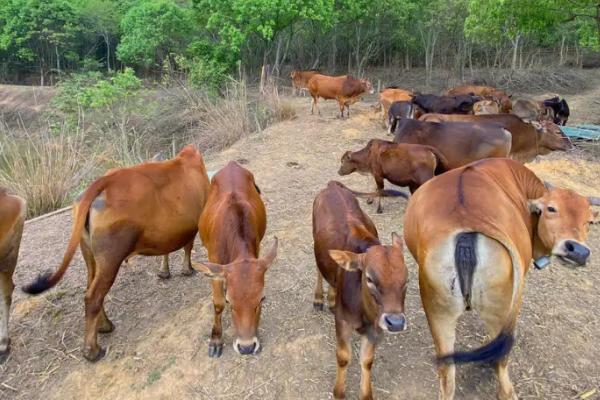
393 323
572 252
247 347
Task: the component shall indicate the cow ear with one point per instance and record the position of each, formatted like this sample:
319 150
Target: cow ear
397 241
535 206
268 259
212 270
346 259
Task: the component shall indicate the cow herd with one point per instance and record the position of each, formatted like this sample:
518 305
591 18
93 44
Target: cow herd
475 220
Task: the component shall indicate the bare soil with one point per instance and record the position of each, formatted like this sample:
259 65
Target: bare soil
159 347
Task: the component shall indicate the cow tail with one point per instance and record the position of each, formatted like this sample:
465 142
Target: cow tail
441 163
47 280
466 261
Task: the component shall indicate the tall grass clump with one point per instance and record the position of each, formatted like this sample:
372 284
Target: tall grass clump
46 169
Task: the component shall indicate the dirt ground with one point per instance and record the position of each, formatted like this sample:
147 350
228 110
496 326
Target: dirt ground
159 347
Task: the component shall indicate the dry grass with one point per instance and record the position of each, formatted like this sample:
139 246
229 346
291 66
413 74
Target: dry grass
43 168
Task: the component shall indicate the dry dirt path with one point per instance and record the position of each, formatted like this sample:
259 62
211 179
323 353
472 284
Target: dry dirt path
159 347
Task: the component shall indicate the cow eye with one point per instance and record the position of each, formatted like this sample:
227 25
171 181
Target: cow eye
551 209
370 281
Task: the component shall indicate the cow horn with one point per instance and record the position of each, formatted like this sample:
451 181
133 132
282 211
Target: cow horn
594 201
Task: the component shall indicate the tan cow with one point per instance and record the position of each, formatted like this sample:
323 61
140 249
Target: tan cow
486 107
473 232
345 89
149 209
12 217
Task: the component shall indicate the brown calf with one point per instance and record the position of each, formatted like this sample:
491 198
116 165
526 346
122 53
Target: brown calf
345 89
232 226
149 209
474 231
370 280
12 217
300 79
401 164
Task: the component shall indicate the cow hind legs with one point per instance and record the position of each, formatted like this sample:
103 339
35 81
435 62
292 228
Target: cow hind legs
164 272
104 324
187 259
318 298
6 290
331 298
215 346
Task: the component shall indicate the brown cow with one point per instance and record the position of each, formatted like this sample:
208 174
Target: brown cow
232 226
486 92
367 281
390 95
401 164
460 143
473 232
300 79
345 89
12 218
486 107
528 139
149 209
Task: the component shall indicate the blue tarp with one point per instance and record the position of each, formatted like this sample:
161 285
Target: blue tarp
591 132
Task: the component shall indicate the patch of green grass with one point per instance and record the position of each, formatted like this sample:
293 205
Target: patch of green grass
153 377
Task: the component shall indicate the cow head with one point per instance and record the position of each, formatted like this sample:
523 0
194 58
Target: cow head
355 161
550 137
504 102
245 281
383 283
486 107
562 228
560 110
367 86
294 74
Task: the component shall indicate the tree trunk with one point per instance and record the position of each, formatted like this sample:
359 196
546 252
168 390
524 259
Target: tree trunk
107 41
515 43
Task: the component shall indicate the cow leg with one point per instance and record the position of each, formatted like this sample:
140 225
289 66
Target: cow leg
104 324
112 250
215 347
164 272
379 183
187 259
6 290
331 298
343 333
318 299
495 280
367 354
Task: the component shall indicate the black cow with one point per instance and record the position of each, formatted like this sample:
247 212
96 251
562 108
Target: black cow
402 109
460 104
560 109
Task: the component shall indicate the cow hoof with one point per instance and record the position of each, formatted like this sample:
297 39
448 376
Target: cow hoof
164 275
107 327
94 355
187 272
331 308
4 350
317 306
215 350
370 200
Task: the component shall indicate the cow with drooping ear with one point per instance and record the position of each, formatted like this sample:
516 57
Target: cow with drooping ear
232 226
367 280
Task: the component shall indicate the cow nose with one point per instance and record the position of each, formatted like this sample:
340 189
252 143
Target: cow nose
395 322
247 349
576 252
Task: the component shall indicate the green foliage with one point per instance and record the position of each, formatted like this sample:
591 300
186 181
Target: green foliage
91 91
153 29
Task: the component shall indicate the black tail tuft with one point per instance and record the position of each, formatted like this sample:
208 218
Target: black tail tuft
491 352
41 284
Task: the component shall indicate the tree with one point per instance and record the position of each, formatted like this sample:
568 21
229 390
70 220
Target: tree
40 31
151 30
